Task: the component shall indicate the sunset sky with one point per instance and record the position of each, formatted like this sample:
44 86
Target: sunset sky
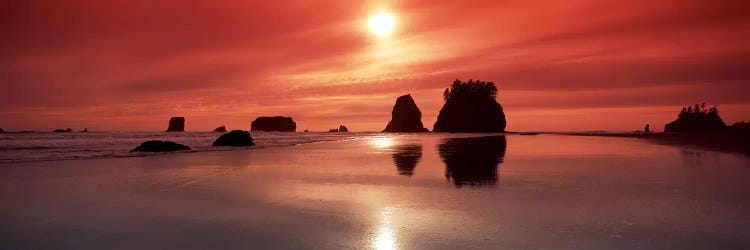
559 65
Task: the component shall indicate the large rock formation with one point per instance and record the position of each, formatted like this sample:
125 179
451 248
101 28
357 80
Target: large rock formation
159 146
236 138
275 123
697 120
343 128
405 117
176 124
221 129
471 108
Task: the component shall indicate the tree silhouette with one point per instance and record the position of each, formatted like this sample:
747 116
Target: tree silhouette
470 89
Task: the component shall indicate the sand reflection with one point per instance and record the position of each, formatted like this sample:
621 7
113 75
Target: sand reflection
472 161
406 158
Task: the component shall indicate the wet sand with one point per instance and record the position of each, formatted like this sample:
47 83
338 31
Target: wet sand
730 142
388 192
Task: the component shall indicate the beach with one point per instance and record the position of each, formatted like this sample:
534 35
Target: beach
387 191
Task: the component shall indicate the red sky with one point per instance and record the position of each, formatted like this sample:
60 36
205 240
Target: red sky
559 65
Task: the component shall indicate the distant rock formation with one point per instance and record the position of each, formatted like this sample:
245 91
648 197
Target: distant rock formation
236 138
742 126
697 119
275 123
59 130
220 129
159 146
405 117
341 128
406 158
85 130
473 161
176 124
470 107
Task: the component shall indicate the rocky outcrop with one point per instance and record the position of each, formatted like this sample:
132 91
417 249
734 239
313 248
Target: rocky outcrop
274 123
405 117
2 131
220 129
697 120
159 146
471 108
236 138
176 124
59 130
341 128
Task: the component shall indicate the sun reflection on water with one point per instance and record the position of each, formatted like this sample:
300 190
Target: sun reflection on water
385 237
381 142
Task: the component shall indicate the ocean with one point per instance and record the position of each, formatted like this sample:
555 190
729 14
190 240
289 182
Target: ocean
49 146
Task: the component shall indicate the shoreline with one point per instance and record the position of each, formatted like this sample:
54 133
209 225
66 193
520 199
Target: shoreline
727 142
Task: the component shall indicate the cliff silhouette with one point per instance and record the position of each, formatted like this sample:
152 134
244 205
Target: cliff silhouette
405 117
273 123
697 119
470 107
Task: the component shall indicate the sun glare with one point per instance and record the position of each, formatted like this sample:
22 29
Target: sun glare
382 23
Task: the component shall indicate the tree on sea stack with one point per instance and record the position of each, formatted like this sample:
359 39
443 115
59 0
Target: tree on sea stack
470 107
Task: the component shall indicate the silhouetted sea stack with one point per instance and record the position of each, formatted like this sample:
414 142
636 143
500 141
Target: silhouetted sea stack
470 107
159 146
176 124
697 119
275 123
405 117
236 138
343 128
59 130
220 129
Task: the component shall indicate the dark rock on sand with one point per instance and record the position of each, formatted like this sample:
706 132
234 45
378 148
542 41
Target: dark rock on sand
471 108
176 124
236 138
698 119
159 146
59 130
275 123
220 129
405 117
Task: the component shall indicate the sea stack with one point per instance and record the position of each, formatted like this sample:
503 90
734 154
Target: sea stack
220 129
470 107
274 123
405 117
697 119
343 128
176 124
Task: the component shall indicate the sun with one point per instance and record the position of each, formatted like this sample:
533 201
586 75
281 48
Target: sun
382 24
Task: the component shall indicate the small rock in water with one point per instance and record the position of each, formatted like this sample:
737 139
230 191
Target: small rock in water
236 138
159 146
220 129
